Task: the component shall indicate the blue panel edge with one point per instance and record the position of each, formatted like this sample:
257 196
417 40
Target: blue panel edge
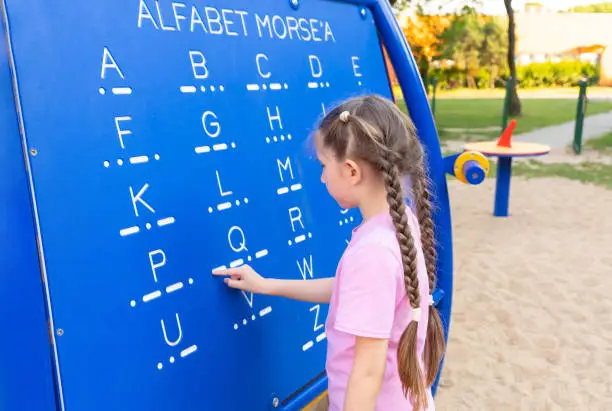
27 375
305 397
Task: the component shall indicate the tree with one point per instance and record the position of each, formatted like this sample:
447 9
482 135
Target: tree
423 34
515 103
493 48
462 43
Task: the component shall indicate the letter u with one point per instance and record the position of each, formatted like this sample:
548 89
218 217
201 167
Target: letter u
180 332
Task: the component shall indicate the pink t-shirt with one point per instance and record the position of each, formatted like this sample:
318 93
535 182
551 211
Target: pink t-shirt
369 300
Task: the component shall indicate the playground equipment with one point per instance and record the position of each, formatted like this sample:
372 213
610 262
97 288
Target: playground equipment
143 144
581 108
506 150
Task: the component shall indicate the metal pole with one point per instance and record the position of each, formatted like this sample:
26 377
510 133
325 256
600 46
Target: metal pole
580 111
506 104
434 84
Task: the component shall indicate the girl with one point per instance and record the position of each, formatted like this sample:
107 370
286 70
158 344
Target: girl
385 339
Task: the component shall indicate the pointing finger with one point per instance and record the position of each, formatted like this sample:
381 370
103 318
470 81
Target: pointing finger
228 271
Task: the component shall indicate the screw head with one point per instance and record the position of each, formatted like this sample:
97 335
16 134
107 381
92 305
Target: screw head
33 151
60 332
363 12
294 3
275 402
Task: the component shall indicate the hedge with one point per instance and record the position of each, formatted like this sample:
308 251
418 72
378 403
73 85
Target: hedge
534 75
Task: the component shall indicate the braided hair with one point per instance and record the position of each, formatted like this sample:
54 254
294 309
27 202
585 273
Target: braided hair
372 128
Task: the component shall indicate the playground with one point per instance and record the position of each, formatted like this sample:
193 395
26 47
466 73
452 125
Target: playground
531 325
109 286
531 317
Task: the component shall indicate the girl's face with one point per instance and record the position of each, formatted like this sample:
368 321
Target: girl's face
339 176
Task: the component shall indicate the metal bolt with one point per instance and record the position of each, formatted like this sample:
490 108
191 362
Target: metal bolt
363 12
33 151
60 332
275 402
295 3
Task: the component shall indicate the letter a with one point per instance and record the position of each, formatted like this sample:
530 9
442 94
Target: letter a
108 62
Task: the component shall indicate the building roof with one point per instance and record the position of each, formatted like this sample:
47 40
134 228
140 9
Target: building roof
562 32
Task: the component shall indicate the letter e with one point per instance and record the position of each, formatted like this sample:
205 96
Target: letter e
356 66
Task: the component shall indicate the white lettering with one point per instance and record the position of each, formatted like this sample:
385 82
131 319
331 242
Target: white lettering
122 132
263 24
241 244
109 62
161 20
227 23
285 166
139 199
249 298
196 19
277 117
216 20
200 64
257 60
293 218
314 30
319 72
279 27
304 28
328 32
178 17
145 13
155 266
242 14
214 124
292 25
223 194
355 61
294 28
317 326
305 268
180 332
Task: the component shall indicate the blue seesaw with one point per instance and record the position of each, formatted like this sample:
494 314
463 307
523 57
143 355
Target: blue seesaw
145 143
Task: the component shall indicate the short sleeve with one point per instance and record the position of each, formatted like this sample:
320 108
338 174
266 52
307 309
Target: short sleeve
367 292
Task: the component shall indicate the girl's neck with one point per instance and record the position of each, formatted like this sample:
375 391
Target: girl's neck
374 202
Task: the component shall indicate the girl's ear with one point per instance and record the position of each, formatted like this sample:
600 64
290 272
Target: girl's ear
353 172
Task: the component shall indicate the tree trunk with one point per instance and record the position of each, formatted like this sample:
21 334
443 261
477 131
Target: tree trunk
515 103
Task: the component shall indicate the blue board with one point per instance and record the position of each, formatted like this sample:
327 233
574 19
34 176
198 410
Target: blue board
166 139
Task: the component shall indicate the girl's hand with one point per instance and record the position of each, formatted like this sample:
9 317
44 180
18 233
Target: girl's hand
243 278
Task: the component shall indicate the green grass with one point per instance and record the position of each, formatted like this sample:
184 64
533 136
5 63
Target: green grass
473 114
602 143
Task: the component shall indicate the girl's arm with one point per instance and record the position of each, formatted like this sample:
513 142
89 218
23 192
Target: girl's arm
367 374
246 279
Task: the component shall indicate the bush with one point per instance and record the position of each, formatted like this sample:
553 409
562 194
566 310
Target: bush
534 75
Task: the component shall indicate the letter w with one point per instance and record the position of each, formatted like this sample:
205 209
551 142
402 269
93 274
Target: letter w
305 267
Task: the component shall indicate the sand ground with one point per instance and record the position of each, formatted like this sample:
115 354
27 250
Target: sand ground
532 322
532 317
